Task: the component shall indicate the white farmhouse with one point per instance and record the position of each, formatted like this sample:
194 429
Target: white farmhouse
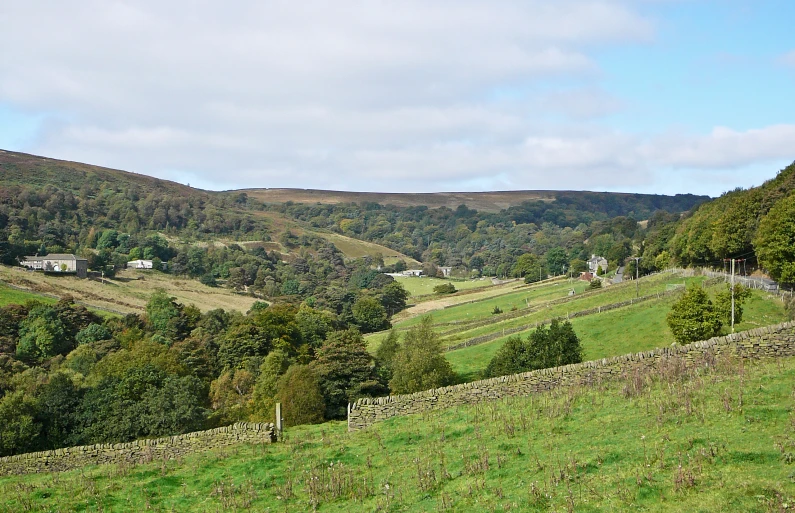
139 264
596 262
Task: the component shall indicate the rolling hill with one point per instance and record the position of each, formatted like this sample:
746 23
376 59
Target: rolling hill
489 201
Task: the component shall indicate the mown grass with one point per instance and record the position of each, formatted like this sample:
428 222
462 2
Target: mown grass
720 439
419 286
626 330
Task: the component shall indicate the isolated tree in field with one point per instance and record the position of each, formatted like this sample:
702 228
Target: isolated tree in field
547 346
301 397
775 241
419 363
693 317
513 357
723 303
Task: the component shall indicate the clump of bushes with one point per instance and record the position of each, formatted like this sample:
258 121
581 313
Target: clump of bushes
445 288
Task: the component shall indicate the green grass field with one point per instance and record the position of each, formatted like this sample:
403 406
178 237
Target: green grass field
420 286
535 299
13 296
626 330
719 441
563 309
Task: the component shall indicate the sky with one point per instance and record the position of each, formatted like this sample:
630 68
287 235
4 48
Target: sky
649 96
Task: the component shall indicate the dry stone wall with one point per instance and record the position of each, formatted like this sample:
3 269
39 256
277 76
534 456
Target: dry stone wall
140 451
771 341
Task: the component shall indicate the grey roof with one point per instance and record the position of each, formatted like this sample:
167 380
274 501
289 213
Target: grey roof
58 256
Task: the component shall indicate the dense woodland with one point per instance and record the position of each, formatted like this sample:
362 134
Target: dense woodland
70 377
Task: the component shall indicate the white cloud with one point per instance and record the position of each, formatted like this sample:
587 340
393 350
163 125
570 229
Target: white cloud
392 95
724 148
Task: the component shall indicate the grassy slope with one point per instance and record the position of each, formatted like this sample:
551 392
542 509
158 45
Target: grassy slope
543 312
627 330
520 297
355 248
698 443
13 296
423 286
129 291
350 247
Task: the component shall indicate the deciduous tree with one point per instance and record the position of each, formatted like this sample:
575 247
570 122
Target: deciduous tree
419 363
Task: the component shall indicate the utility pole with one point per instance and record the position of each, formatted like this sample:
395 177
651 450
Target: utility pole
637 275
733 295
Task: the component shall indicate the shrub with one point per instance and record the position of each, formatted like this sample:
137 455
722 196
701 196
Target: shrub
496 310
596 283
445 288
693 317
208 279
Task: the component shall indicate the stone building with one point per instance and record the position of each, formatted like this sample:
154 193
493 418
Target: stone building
57 263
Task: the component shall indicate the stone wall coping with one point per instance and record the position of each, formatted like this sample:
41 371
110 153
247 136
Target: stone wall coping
137 444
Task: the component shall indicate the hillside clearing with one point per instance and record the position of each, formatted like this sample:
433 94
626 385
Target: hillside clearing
129 291
422 286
